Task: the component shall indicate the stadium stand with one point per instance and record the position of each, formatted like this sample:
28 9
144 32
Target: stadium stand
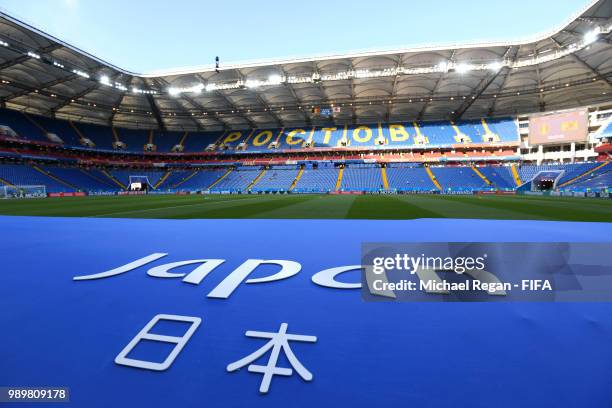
430 134
238 180
317 180
22 125
28 175
499 176
81 179
438 157
456 179
101 136
278 178
201 180
409 178
362 177
174 179
597 181
123 176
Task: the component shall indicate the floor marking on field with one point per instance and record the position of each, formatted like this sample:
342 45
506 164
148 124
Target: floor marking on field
173 206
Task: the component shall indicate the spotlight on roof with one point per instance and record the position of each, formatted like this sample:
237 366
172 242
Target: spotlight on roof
495 66
252 84
173 91
591 36
275 79
104 79
197 89
463 68
442 67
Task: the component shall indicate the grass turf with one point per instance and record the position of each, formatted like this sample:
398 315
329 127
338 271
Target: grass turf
317 206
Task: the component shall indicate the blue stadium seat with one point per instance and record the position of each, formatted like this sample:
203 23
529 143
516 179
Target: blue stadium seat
455 179
362 178
320 180
409 178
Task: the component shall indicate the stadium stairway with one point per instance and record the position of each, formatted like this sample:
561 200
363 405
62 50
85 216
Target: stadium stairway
433 178
6 183
256 180
339 181
482 176
383 174
220 178
76 130
162 179
297 178
99 179
185 179
115 135
517 178
35 123
183 139
65 183
117 182
586 173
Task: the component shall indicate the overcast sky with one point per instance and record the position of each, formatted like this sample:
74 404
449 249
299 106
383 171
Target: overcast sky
149 35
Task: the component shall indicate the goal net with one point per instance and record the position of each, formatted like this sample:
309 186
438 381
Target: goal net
139 183
23 191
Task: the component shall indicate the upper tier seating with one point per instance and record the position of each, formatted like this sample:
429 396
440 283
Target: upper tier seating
165 141
396 134
20 123
434 134
101 136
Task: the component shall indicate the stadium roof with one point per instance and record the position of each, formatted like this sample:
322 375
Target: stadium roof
567 67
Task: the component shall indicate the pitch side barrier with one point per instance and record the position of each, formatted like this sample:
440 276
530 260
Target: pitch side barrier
584 194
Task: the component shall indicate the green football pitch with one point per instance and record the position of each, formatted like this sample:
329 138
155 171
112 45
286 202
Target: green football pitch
317 206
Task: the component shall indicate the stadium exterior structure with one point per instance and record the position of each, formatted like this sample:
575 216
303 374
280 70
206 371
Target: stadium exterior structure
385 120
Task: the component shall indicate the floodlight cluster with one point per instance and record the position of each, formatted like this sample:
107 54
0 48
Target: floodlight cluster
446 66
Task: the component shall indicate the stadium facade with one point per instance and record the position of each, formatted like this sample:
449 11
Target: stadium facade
526 116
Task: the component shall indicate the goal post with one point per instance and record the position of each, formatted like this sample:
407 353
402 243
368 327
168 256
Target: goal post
23 191
140 183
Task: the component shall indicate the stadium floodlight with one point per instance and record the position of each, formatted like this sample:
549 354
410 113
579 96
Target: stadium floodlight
442 67
463 68
275 79
4 43
173 91
105 80
591 36
211 86
80 73
197 89
495 66
33 55
252 83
